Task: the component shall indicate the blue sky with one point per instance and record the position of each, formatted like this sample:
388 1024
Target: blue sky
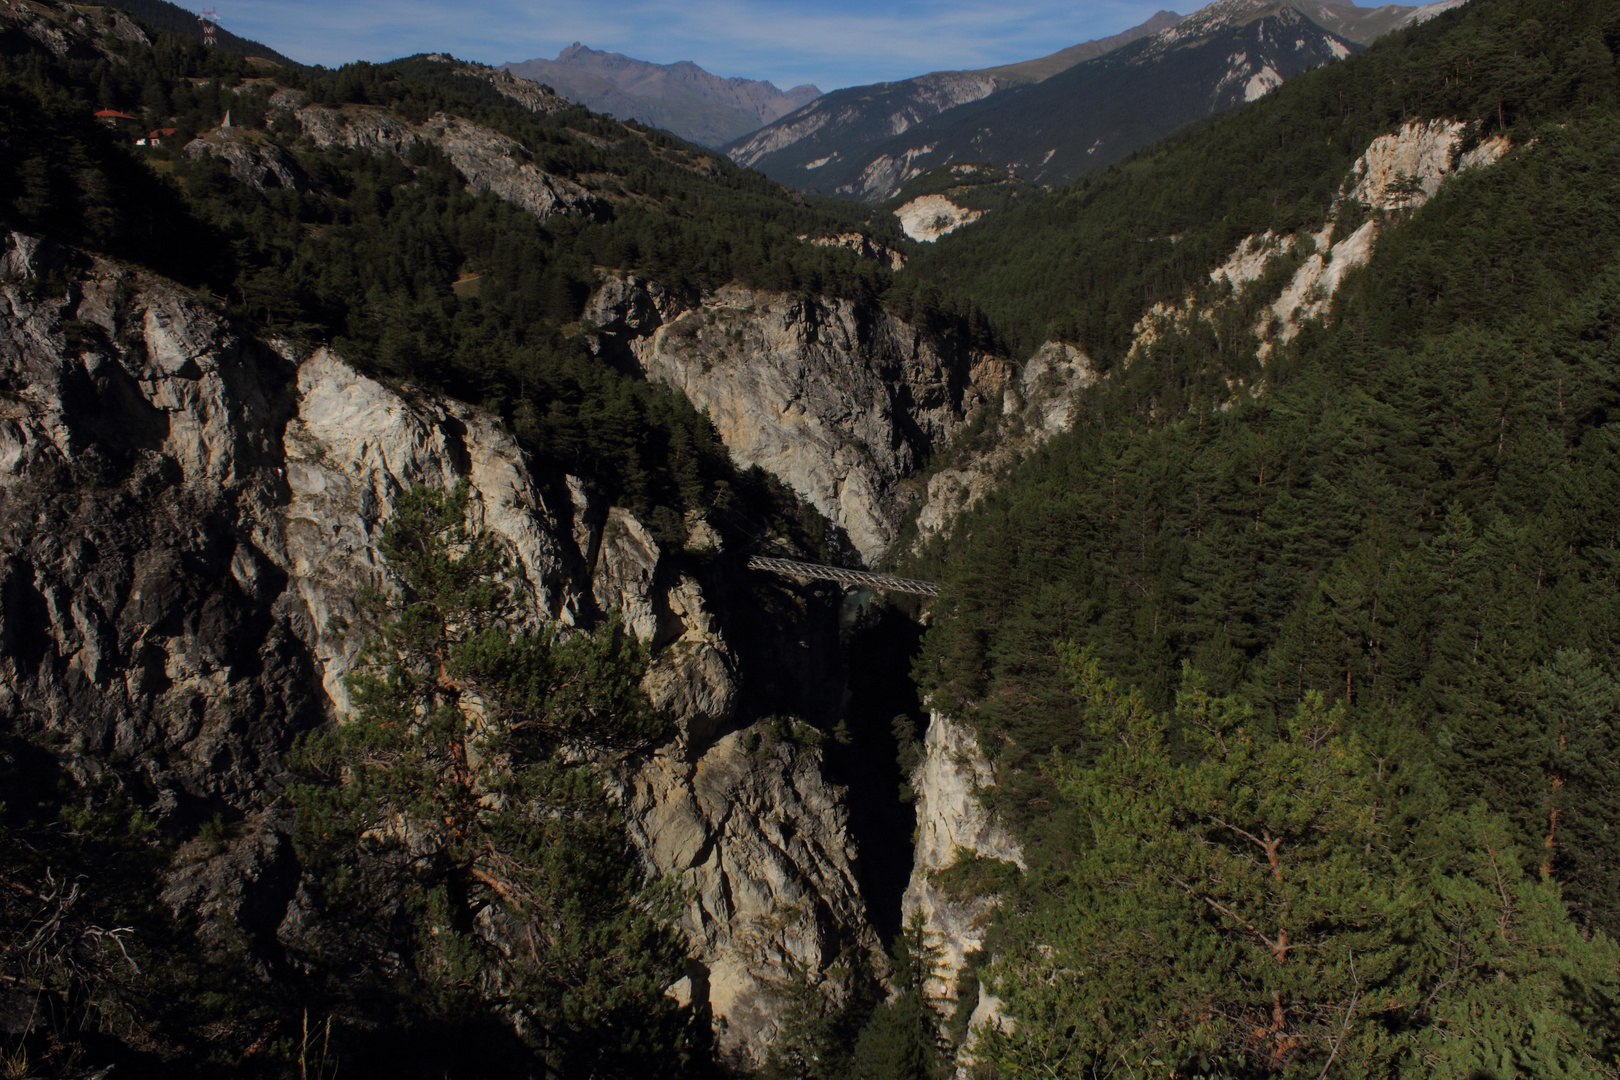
831 43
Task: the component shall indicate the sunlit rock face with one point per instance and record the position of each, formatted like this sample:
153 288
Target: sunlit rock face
187 514
953 823
489 160
841 401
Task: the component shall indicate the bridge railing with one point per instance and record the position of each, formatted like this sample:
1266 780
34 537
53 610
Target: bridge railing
816 572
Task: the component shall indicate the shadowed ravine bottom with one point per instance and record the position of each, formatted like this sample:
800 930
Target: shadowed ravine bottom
881 642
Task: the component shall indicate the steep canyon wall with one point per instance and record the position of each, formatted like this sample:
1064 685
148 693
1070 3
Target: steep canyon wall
187 512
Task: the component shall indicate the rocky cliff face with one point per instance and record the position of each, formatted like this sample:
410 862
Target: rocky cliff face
845 404
840 401
528 93
489 160
1035 406
761 840
96 27
952 823
1398 173
252 159
186 514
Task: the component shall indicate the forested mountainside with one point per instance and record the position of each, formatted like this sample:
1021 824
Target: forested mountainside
835 125
387 273
1076 121
348 396
824 145
384 688
1295 659
174 19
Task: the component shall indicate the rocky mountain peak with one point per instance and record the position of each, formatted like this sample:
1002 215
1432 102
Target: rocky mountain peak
1225 16
681 97
1060 117
835 128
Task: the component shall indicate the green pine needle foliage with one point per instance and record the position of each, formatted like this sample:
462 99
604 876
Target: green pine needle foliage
460 850
1247 904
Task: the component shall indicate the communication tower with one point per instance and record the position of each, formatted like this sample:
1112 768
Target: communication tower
209 17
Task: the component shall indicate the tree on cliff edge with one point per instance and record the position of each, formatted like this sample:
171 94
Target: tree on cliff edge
463 860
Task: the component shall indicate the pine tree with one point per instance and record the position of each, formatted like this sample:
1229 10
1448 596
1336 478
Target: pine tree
457 827
820 1022
1246 905
1578 703
903 1038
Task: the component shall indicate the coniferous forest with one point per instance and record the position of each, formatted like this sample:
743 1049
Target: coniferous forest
1295 669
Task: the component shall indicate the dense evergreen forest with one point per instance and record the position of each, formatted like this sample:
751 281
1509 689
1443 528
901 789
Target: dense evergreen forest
366 258
1083 264
1301 680
1365 613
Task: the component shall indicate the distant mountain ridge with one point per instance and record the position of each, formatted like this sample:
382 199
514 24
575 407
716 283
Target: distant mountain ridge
681 98
867 142
832 123
1091 113
1047 66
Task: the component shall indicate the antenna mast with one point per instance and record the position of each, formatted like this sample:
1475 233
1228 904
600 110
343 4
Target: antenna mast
209 17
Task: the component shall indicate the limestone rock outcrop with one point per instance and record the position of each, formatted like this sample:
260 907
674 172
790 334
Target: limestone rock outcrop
840 401
693 674
488 159
952 821
351 449
862 245
1398 173
142 614
532 95
1036 405
186 514
1405 169
253 160
929 217
101 27
760 839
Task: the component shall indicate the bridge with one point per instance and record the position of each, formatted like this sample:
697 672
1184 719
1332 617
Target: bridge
858 578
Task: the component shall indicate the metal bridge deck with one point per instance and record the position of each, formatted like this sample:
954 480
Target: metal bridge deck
815 572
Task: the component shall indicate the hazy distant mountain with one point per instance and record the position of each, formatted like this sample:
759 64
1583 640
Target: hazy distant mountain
1366 25
681 98
1055 118
1098 111
837 124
